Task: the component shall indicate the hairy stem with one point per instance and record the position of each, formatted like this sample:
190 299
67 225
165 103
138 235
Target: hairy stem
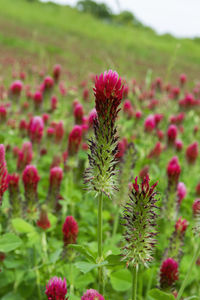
134 282
99 236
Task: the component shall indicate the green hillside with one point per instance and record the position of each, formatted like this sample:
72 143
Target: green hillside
52 33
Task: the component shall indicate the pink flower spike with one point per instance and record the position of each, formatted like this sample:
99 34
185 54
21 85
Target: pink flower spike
3 172
168 273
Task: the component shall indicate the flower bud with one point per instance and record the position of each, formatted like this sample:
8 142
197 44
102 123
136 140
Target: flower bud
168 273
183 79
196 207
59 132
70 230
14 194
92 116
56 72
149 124
48 84
173 172
181 226
78 114
178 145
181 192
3 173
43 221
172 134
36 128
25 156
16 88
30 179
128 109
55 179
54 103
74 140
38 98
192 153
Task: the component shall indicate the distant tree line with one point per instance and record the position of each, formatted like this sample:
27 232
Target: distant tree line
102 11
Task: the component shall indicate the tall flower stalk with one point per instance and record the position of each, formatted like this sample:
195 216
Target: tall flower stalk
101 176
139 222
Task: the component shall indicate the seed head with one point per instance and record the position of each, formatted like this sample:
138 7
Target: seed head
139 222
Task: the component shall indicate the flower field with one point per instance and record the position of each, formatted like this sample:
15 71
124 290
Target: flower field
99 171
76 161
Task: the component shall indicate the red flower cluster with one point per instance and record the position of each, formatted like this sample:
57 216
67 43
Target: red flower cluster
70 230
173 171
108 93
30 178
192 153
181 226
43 221
3 172
56 289
92 295
74 140
168 273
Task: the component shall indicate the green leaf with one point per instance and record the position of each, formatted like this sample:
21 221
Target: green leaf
86 267
53 258
114 260
22 226
84 280
12 296
83 250
9 242
121 280
157 295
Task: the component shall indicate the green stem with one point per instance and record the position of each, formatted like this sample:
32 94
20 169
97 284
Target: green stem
116 222
99 236
134 282
38 284
185 281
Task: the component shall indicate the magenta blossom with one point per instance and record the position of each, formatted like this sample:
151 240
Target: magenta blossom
92 295
56 289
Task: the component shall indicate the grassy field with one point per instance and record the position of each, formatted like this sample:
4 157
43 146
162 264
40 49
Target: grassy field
84 44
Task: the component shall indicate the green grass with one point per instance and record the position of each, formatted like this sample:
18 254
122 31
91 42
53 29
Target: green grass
86 44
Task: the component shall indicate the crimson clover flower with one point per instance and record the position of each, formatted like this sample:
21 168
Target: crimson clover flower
101 175
56 289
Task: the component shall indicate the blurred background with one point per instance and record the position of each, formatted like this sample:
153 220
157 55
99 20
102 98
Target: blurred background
90 36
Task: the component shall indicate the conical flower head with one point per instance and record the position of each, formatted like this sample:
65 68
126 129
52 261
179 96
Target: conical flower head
3 172
56 289
139 222
92 295
108 93
168 273
70 230
101 176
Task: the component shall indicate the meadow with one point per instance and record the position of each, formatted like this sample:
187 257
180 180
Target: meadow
99 172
